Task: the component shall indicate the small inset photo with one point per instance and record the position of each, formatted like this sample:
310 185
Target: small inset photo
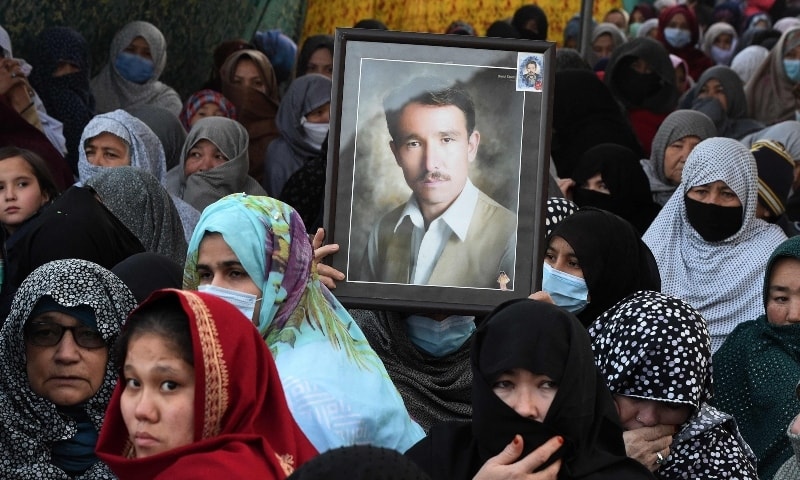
529 72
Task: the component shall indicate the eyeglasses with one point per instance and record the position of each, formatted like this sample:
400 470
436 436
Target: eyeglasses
44 334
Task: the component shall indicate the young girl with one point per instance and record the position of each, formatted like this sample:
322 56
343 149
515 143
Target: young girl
206 103
181 409
26 185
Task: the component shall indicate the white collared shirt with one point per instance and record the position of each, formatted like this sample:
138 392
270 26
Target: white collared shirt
427 246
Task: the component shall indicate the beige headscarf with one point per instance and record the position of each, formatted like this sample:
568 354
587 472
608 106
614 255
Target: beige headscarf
769 93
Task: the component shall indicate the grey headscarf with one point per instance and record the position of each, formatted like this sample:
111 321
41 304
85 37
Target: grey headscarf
285 155
111 91
137 199
201 189
678 124
733 122
748 61
715 31
617 37
786 132
166 126
30 424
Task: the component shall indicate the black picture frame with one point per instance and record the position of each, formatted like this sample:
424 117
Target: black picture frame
513 114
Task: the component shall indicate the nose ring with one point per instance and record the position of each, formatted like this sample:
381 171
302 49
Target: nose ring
638 419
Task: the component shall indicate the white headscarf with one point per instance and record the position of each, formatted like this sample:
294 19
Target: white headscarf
746 62
722 280
112 91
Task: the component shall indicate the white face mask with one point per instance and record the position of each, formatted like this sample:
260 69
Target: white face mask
315 132
244 302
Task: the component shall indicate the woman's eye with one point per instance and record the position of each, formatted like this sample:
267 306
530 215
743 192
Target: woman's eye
131 383
502 385
169 386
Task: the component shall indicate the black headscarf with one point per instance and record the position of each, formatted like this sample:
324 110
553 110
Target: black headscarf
614 260
664 95
630 196
543 339
585 114
525 14
311 45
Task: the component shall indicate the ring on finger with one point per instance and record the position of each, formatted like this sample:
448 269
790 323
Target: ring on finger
660 460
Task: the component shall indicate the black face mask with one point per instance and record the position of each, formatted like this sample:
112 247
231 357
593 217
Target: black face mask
637 87
583 197
712 222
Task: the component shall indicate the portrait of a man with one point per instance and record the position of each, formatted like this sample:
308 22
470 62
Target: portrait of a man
530 74
448 232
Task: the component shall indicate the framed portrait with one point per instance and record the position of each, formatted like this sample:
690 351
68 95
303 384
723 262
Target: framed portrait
438 167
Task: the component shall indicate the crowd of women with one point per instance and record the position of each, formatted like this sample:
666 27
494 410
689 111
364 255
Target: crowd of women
167 314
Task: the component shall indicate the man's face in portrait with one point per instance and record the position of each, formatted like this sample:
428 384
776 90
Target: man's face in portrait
434 150
531 69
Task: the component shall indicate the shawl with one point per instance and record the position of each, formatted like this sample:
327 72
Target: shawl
600 240
619 167
733 122
314 340
755 375
201 189
359 462
542 339
697 61
67 98
747 62
291 151
74 225
311 45
435 389
167 128
29 424
146 153
146 272
585 114
655 347
679 124
242 425
137 199
714 31
558 209
649 50
719 279
112 91
769 93
204 97
255 110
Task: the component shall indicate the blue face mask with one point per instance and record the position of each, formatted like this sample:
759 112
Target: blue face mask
792 68
439 338
567 291
677 37
134 68
244 302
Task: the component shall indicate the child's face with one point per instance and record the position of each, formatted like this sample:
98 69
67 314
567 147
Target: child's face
207 110
20 194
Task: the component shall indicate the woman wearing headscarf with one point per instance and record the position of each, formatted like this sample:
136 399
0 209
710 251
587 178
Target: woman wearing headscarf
118 139
605 38
610 177
524 342
772 92
303 119
234 422
255 251
206 103
775 175
654 353
60 57
757 368
137 199
213 164
248 80
719 42
136 60
641 76
649 29
719 93
531 22
679 33
583 272
681 131
585 114
49 429
710 247
316 56
146 272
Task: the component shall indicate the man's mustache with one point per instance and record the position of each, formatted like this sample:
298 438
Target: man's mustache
434 176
